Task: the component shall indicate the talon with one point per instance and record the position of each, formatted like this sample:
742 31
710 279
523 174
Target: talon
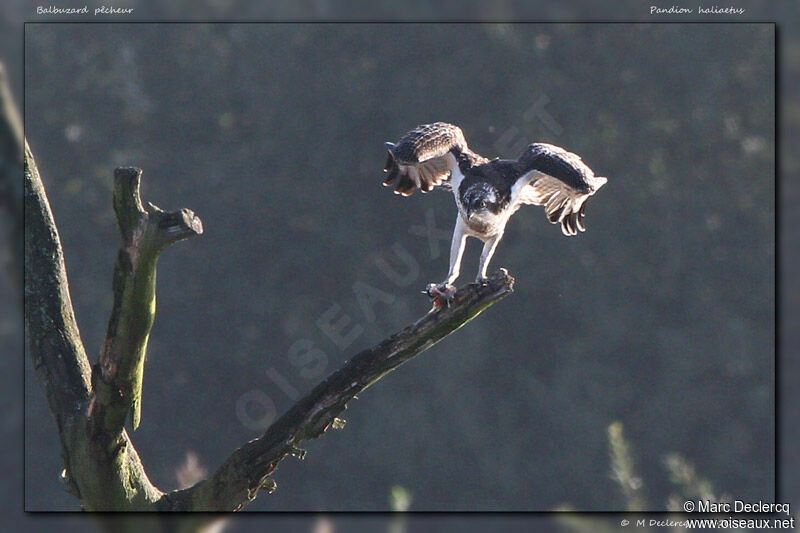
482 281
442 294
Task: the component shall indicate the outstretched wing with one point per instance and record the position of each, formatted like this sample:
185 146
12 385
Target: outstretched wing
426 157
561 182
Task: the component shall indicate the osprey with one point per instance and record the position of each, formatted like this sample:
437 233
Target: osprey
487 192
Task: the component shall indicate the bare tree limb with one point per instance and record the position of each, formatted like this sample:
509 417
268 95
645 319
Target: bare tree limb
102 470
54 342
248 469
52 334
145 234
90 404
102 467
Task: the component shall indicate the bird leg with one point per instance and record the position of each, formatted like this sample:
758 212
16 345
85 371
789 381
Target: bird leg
486 255
446 290
456 251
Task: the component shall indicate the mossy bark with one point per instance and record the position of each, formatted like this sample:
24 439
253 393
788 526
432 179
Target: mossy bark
145 234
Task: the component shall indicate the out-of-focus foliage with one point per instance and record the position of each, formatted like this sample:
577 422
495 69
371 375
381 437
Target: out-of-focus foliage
622 467
689 485
660 316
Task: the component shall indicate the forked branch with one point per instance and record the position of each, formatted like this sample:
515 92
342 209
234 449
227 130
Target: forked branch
145 234
90 404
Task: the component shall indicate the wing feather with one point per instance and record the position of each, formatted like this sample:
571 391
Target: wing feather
426 157
560 182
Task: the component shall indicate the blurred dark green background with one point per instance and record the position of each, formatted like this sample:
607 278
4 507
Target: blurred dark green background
660 316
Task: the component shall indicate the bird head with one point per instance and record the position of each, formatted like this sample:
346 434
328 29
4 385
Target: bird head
480 200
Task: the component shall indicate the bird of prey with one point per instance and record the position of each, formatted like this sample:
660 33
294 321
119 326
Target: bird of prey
488 192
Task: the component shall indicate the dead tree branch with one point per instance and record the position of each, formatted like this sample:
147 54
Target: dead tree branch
101 468
145 234
53 341
248 469
90 404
